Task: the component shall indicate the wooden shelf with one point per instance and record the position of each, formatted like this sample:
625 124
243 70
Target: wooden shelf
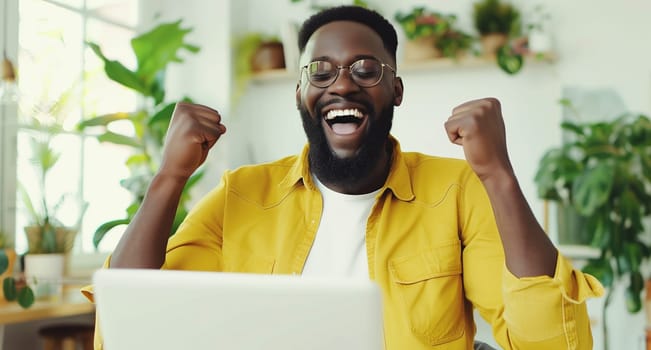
410 67
71 303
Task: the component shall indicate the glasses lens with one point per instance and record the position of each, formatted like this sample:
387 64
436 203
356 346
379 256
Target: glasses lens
321 73
366 72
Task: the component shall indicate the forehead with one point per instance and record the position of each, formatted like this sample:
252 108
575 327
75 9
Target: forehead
343 41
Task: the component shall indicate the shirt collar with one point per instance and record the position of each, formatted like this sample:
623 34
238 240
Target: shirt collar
398 181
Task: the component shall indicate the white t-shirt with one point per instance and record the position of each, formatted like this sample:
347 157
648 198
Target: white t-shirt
339 249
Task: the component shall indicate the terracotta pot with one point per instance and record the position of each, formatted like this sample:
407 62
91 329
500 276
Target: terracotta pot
421 49
11 254
268 56
491 42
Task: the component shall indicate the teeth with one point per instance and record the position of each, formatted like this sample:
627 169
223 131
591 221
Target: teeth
343 112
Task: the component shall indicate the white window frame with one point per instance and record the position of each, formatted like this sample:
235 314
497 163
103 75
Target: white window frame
8 126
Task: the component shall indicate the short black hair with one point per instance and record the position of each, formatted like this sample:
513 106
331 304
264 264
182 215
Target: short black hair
358 14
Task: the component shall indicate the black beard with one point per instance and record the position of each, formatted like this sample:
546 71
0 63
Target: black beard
328 167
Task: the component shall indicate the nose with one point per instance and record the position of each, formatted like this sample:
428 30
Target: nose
344 83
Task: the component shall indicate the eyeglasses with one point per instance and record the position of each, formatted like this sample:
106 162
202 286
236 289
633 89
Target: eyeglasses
366 72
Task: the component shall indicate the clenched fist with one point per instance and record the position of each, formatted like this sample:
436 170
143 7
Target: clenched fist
193 130
478 127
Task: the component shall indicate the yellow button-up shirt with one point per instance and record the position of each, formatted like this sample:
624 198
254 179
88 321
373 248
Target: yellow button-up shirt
432 246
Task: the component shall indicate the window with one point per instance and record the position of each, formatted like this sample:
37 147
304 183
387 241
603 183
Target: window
62 83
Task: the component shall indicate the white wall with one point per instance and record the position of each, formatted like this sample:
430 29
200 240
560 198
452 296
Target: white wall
599 44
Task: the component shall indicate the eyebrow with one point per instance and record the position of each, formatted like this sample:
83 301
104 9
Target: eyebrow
355 59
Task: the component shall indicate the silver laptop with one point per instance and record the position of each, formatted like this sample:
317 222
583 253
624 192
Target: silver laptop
171 310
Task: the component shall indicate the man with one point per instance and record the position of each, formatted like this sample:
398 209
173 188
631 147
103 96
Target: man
439 236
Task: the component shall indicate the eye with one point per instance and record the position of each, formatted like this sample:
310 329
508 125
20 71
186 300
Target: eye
320 70
320 76
366 69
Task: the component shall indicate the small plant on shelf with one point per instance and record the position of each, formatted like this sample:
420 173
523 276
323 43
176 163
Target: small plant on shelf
496 22
425 27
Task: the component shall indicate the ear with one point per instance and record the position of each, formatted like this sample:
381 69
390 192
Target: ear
398 90
298 95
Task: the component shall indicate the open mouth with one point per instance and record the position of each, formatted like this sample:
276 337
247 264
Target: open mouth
344 121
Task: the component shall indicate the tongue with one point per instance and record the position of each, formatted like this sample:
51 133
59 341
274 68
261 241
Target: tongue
344 128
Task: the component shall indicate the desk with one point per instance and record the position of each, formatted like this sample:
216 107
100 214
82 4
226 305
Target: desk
72 303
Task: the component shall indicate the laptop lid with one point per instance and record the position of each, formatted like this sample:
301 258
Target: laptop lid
171 310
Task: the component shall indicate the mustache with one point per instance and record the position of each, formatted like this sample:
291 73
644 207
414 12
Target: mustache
320 105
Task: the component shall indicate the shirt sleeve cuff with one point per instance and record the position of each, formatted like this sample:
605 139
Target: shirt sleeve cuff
574 285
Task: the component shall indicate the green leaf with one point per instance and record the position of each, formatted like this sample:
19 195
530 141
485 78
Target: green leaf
26 297
119 73
163 116
157 48
555 168
104 228
137 159
597 226
361 3
133 209
592 188
9 288
574 128
633 293
159 122
118 139
158 88
632 254
179 216
193 180
566 102
509 61
35 217
601 270
4 261
103 120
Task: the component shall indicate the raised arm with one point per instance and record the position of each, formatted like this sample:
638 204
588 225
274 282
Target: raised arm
478 127
193 130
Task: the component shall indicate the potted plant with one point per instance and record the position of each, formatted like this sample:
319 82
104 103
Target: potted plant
150 122
496 22
431 34
255 52
603 174
49 240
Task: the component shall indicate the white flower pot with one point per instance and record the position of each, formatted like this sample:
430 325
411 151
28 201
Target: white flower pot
44 274
539 42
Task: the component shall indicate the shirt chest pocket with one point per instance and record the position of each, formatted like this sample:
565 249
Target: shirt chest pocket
430 288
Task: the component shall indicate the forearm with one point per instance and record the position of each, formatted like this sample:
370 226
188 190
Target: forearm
527 248
144 242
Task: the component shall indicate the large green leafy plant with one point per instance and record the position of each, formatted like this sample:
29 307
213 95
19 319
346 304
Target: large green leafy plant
604 173
154 51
